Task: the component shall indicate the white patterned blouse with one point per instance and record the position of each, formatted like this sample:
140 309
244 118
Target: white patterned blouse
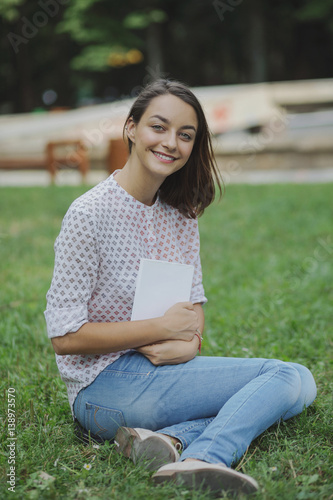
103 236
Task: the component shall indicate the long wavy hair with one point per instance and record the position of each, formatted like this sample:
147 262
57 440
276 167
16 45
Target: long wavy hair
192 188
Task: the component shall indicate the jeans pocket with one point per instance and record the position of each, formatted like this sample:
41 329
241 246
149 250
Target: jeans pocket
103 422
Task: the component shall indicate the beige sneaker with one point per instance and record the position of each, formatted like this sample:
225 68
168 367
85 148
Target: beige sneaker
145 447
215 477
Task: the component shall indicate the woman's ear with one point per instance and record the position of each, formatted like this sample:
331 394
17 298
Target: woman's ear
131 129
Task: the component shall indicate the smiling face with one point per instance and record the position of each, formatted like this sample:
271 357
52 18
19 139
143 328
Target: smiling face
163 140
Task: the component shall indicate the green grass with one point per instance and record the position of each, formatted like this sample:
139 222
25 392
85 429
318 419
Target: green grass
267 259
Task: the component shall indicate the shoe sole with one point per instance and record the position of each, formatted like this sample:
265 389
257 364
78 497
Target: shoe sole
149 452
228 481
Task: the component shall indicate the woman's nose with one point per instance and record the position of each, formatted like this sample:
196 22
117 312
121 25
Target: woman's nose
170 141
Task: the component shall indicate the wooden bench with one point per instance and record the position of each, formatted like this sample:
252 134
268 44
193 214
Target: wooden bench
76 157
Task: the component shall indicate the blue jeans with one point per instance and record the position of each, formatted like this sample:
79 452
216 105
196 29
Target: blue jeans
215 406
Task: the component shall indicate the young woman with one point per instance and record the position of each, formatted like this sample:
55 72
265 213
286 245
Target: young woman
141 382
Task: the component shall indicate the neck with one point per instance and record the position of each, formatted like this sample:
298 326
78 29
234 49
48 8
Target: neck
142 186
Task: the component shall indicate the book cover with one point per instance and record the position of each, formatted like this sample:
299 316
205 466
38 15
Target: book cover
159 286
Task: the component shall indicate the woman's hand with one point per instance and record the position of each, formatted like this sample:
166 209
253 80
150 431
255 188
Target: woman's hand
181 321
170 352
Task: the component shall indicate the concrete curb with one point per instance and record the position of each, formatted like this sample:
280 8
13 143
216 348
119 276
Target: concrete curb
33 178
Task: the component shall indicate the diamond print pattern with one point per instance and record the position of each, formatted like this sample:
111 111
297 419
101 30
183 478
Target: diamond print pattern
103 236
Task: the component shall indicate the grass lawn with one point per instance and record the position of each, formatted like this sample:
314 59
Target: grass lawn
267 260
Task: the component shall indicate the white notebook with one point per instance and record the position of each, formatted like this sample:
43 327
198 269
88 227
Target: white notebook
159 286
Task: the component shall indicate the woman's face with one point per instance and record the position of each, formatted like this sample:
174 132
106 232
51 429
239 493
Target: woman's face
164 137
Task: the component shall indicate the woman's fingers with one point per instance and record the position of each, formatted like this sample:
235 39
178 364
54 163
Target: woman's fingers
181 320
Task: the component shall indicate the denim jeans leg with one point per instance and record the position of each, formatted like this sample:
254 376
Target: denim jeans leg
244 395
278 392
308 391
187 432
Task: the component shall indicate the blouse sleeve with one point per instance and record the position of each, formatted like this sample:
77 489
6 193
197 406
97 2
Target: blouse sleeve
192 256
75 274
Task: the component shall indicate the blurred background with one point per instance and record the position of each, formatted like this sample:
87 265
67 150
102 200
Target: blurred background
71 69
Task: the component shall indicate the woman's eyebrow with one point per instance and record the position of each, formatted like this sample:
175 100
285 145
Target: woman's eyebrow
165 120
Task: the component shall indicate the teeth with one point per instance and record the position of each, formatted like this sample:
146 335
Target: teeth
163 157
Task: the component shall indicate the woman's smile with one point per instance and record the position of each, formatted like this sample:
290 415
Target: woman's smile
164 157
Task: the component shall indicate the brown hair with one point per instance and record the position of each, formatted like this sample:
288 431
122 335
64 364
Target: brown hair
192 188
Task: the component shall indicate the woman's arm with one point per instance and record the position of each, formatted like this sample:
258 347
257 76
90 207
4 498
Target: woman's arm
170 352
173 352
178 323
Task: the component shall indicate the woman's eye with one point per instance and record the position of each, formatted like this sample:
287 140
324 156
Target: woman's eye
157 127
187 137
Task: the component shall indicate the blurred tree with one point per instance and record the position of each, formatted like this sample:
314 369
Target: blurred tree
108 32
314 26
150 20
316 10
301 39
97 50
257 41
121 42
33 57
9 9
